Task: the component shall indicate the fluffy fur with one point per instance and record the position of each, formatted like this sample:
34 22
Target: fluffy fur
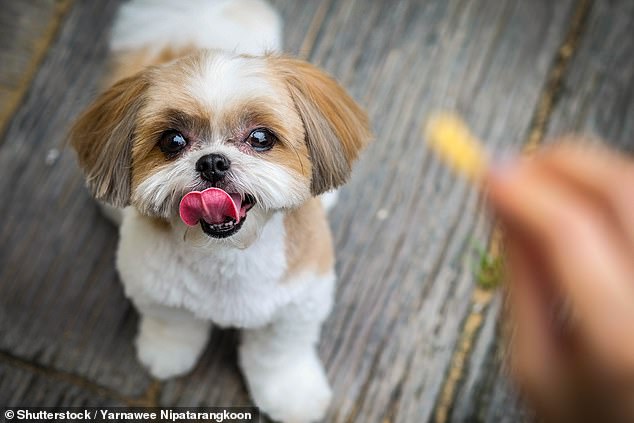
208 70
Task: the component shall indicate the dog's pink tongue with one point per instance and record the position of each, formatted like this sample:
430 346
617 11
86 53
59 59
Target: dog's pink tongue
213 205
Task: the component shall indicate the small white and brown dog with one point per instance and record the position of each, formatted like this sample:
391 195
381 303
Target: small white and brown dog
216 150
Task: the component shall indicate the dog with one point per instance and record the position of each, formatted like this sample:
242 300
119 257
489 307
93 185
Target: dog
214 152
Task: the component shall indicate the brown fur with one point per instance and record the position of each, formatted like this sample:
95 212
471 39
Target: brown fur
308 240
290 151
147 157
103 135
336 127
146 166
128 63
106 137
321 131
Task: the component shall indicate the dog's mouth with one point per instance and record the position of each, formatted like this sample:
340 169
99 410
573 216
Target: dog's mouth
219 213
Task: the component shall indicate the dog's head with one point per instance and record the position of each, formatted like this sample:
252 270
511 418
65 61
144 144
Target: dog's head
267 132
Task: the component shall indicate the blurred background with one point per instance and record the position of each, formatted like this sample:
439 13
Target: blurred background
415 334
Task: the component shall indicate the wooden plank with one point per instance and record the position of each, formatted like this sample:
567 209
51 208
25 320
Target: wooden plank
60 301
302 23
598 96
27 28
485 393
597 99
21 387
405 286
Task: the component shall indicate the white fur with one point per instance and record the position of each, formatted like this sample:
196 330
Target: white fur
243 26
280 362
228 79
170 340
231 287
180 280
180 288
275 186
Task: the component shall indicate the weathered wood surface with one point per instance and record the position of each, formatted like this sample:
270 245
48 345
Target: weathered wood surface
406 281
595 98
62 305
598 94
25 384
26 31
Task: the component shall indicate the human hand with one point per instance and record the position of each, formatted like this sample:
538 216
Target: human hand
568 218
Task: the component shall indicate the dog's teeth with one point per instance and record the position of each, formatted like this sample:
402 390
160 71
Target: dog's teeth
220 226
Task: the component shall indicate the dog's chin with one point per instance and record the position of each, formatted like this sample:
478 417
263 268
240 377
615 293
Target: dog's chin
222 230
230 226
240 235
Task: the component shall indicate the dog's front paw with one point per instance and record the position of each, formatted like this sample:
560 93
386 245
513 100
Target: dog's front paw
167 352
295 391
165 359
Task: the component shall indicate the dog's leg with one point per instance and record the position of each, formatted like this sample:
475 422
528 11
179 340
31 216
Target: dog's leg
285 376
170 340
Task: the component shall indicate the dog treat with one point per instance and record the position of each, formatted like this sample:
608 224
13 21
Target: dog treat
450 138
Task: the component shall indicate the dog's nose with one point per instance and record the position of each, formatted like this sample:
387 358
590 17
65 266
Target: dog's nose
213 167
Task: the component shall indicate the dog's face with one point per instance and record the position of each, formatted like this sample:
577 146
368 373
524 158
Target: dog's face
269 131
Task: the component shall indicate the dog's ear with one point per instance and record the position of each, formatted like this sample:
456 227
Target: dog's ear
103 135
336 127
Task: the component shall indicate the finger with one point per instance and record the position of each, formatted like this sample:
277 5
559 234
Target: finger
535 362
579 248
533 348
604 176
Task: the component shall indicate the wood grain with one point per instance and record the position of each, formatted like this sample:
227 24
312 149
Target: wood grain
598 95
404 227
61 303
27 29
27 386
596 100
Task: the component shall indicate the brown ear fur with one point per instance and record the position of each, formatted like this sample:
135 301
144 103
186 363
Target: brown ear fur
336 127
102 137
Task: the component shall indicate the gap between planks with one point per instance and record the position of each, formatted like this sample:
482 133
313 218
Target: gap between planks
149 398
481 298
62 7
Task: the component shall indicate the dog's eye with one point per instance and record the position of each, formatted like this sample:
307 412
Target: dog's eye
261 139
172 142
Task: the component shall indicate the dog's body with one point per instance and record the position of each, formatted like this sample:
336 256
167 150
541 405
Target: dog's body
256 135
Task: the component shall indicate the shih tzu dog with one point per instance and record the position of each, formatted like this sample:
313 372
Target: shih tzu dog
215 151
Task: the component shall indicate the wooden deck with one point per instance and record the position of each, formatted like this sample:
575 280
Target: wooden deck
411 338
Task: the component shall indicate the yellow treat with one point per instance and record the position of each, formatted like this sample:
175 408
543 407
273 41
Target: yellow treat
448 135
